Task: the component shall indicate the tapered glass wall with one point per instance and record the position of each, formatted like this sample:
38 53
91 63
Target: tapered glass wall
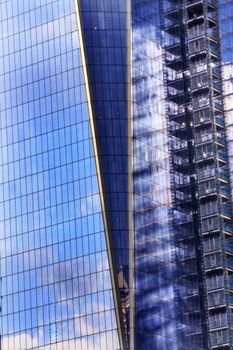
56 289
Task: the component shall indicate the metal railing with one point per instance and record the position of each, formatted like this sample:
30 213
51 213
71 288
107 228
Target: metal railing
214 50
218 105
222 155
216 70
228 245
228 227
204 155
219 120
179 144
206 173
222 174
174 126
212 15
196 31
221 140
226 210
217 85
203 138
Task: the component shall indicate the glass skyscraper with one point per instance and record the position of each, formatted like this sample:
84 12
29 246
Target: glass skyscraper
116 174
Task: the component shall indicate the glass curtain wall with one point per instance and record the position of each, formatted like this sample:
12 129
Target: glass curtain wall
56 290
167 271
154 245
105 27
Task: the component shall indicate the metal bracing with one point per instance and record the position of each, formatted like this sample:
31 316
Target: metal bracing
185 224
198 147
215 212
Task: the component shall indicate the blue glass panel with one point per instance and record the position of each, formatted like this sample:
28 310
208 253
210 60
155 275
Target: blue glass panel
56 285
105 30
167 306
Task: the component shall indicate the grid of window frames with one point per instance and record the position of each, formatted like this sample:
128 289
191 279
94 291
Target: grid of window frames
55 282
154 249
226 30
167 300
105 30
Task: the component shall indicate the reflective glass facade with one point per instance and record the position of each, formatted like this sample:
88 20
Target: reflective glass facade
56 287
154 263
166 263
116 175
105 28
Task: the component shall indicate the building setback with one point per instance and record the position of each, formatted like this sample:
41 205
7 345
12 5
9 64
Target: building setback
116 174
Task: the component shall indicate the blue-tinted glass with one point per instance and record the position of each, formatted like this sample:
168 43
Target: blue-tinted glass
105 30
56 284
165 260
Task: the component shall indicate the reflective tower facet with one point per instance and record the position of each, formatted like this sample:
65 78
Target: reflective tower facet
116 176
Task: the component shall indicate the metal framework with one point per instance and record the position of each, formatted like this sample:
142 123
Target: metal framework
202 210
